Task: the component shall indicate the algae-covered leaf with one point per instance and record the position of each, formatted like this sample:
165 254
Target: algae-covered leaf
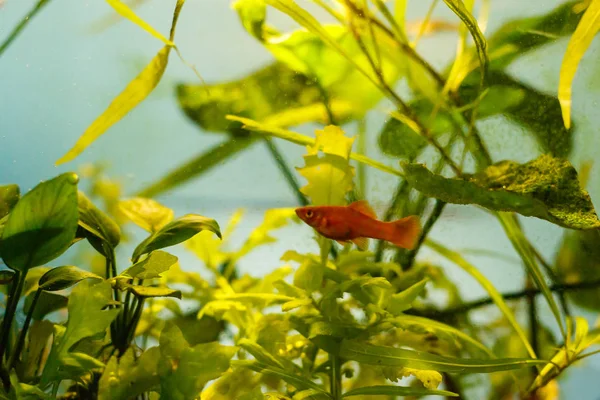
398 357
146 213
126 12
458 7
545 188
402 301
42 225
9 196
577 261
329 176
175 232
135 92
517 37
581 39
88 317
60 278
270 93
152 266
397 391
97 222
538 112
127 377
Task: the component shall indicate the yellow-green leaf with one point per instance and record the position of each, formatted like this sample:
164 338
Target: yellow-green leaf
430 379
578 45
135 92
146 213
128 13
329 176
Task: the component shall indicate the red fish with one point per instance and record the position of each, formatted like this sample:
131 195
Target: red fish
357 222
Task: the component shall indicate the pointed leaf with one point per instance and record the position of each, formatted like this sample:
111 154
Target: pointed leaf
97 222
458 7
175 232
135 92
126 12
397 357
146 213
397 391
578 45
545 188
60 278
42 225
150 291
152 266
402 301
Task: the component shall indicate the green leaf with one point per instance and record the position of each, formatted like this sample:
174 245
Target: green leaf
397 391
402 301
6 277
578 261
309 276
239 384
397 357
487 285
39 333
329 175
47 303
97 222
290 305
191 368
578 45
545 188
458 7
430 379
199 165
152 266
260 354
518 37
60 278
42 225
24 391
175 232
297 381
146 213
523 104
88 317
9 196
135 92
126 12
127 377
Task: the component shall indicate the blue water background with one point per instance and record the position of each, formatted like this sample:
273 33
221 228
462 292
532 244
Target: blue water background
58 76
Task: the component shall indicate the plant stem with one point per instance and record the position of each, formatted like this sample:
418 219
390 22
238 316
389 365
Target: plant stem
21 341
407 259
466 307
11 307
336 377
17 30
286 171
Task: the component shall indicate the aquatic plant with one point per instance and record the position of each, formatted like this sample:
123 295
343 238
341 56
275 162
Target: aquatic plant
341 322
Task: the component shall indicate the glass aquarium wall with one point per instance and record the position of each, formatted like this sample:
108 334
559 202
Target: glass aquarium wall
299 199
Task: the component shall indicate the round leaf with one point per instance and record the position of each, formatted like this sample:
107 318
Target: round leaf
42 225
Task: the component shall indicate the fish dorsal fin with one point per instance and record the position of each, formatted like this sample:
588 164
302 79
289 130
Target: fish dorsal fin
363 207
362 243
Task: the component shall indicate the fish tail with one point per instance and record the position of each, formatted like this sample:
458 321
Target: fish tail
405 232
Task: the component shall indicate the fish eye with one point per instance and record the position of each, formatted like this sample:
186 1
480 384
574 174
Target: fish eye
309 213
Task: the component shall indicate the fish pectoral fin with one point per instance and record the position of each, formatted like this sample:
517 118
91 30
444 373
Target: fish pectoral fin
363 207
362 243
